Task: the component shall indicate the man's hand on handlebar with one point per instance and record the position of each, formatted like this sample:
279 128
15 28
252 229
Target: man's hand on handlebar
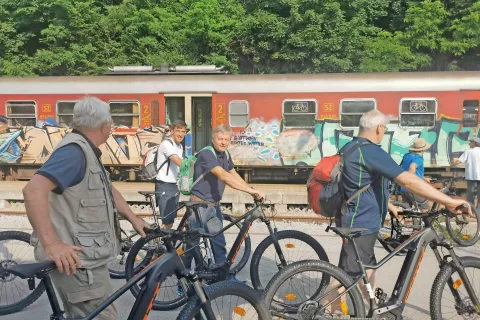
258 195
459 206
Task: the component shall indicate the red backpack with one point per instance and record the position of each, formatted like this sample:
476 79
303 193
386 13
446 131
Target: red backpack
324 186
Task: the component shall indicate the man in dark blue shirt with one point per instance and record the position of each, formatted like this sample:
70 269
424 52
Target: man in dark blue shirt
216 166
371 165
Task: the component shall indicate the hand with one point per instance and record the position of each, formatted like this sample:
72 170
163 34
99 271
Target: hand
428 179
258 195
138 224
394 210
65 256
455 203
447 169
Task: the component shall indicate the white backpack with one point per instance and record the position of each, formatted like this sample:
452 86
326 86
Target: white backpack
149 169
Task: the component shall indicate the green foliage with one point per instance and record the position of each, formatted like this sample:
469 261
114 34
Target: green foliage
85 37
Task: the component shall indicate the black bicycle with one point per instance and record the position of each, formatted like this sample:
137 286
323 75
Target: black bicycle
202 302
116 267
460 229
287 246
343 294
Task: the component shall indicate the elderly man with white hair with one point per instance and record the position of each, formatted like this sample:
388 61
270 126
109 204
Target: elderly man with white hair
73 209
371 167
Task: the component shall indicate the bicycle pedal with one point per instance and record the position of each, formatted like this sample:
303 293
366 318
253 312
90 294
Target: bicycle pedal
31 284
381 296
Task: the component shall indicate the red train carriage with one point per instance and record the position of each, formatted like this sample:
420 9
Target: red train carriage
283 124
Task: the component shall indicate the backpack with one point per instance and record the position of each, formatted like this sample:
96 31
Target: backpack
149 165
185 179
324 186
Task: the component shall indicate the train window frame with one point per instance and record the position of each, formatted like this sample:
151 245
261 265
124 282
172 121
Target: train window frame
21 116
139 115
63 114
300 100
239 114
466 125
417 98
358 113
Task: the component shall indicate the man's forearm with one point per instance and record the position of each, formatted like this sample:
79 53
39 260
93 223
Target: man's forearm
240 179
420 187
235 183
36 205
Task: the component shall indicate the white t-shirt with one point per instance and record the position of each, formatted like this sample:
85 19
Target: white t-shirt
471 158
166 150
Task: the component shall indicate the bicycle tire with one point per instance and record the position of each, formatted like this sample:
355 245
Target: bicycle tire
381 239
314 265
284 234
117 274
219 289
36 293
441 280
463 242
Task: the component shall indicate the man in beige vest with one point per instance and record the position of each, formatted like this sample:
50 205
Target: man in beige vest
73 209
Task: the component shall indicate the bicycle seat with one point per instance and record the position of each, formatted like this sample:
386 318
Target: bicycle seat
30 270
345 232
146 193
194 203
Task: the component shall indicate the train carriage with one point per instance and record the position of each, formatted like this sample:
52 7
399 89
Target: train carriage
283 124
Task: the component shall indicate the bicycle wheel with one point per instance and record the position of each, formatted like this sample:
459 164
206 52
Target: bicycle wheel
463 232
463 307
245 303
116 268
295 290
15 293
295 246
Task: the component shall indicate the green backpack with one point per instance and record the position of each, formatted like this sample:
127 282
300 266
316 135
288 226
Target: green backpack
185 179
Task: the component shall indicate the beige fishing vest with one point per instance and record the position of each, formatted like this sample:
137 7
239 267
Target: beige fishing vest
84 215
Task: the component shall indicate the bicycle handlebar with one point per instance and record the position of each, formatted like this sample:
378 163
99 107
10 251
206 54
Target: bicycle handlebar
434 214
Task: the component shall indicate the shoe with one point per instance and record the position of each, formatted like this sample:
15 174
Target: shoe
180 290
233 278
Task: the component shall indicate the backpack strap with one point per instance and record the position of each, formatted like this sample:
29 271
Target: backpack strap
205 173
168 159
352 149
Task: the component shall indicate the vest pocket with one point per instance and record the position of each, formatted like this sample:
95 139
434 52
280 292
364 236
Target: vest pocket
95 245
95 179
92 210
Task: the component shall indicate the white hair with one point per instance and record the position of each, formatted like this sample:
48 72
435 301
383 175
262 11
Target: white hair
372 119
90 113
223 128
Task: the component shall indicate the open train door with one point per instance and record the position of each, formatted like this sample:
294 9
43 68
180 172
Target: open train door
196 110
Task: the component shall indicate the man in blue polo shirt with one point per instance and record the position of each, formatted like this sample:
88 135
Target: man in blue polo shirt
371 165
216 166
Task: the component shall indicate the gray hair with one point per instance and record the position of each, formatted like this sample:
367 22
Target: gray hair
372 119
90 113
223 128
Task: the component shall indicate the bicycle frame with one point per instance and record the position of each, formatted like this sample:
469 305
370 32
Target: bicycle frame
415 246
155 273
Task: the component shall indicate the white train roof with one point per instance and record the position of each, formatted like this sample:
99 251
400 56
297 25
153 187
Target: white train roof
338 82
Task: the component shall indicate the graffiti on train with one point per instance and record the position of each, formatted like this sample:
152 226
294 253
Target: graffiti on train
265 143
259 144
33 145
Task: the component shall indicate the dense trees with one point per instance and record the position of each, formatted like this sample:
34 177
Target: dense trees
73 37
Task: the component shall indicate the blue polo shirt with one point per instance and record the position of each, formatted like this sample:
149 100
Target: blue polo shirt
410 158
369 164
210 187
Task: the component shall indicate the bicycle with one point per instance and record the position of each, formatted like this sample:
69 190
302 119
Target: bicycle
314 308
15 294
392 236
214 271
117 267
200 298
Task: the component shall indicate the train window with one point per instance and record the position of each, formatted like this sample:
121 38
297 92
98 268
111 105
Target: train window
351 110
21 113
470 113
65 113
418 112
299 113
238 112
125 113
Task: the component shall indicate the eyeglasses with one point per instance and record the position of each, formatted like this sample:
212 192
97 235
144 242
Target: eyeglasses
386 129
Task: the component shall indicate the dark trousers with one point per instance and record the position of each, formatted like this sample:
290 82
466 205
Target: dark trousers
471 184
167 196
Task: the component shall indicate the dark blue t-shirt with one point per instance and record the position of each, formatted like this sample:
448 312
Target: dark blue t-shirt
210 187
369 164
410 158
65 167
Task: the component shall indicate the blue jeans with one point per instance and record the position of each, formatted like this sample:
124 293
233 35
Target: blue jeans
471 184
167 196
211 219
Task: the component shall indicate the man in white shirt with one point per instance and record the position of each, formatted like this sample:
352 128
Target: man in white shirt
169 160
471 158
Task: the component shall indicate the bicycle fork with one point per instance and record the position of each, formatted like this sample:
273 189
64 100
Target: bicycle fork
463 278
278 249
